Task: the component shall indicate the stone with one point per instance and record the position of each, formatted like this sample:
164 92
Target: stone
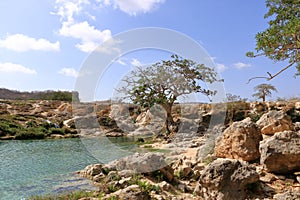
287 196
275 121
140 163
132 192
91 170
239 141
281 152
227 179
297 105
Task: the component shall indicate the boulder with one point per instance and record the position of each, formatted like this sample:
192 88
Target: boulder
297 105
239 141
140 163
281 152
226 179
274 121
287 196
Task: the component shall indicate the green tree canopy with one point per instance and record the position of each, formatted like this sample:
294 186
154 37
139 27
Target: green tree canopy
264 90
281 40
163 82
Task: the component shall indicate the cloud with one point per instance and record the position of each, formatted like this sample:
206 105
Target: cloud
67 8
22 43
134 7
69 72
221 67
121 62
135 62
15 68
241 65
90 36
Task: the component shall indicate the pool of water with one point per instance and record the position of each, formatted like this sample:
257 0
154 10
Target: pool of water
39 167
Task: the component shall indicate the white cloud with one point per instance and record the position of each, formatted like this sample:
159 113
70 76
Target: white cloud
90 36
134 7
67 8
241 65
135 62
22 43
69 72
15 68
221 67
121 62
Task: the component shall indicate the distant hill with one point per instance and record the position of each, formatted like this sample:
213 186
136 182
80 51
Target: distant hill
38 95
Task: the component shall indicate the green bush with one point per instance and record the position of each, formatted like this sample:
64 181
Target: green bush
24 135
57 131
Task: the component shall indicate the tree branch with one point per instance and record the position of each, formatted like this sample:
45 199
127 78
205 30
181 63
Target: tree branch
270 77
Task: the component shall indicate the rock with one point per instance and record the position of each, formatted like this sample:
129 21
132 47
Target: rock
297 126
227 179
239 141
132 192
281 152
287 196
91 170
297 105
275 121
140 163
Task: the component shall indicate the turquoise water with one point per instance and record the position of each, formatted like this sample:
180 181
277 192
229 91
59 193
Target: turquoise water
47 166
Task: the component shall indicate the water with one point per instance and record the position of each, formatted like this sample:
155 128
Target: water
47 166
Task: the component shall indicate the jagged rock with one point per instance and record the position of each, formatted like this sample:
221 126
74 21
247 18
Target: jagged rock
297 105
275 121
226 179
140 163
297 126
132 192
91 170
287 196
239 141
281 152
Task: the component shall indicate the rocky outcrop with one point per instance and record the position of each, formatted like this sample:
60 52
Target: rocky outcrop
275 121
226 179
140 163
281 152
287 196
239 141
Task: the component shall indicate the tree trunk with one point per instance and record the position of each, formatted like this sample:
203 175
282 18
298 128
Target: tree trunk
169 120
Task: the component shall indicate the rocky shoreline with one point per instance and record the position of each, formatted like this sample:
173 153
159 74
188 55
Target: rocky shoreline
254 154
253 158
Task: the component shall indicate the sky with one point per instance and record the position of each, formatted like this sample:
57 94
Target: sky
44 44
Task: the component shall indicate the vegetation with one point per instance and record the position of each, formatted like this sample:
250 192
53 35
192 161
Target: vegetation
264 90
69 196
39 95
281 40
27 127
163 82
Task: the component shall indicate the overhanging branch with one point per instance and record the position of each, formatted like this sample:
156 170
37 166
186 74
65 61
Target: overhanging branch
270 77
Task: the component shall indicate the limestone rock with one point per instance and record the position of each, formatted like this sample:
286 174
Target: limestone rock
226 179
275 121
147 162
132 192
281 152
239 141
287 196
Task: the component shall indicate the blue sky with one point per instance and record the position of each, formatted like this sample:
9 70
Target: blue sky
43 44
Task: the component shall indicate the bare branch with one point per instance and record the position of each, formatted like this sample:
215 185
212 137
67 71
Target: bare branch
270 77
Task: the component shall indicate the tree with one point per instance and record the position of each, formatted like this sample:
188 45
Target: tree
235 98
263 90
163 82
281 40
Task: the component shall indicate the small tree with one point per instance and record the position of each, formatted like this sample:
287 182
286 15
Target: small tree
263 90
281 40
163 82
